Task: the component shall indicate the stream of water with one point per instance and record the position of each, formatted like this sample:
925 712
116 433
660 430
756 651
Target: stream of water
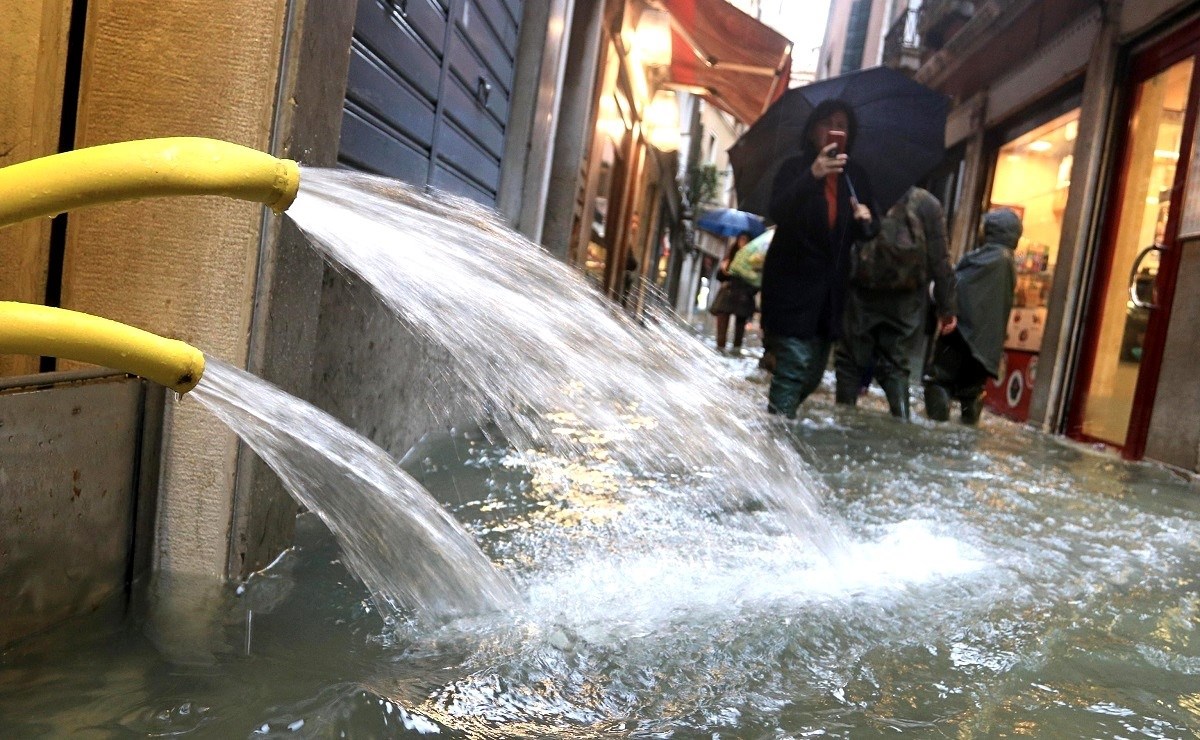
556 365
408 550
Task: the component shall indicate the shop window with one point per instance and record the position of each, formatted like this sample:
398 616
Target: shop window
603 216
1153 147
1033 177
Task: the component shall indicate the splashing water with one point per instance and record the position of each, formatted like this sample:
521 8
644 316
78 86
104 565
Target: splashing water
395 537
559 367
1001 585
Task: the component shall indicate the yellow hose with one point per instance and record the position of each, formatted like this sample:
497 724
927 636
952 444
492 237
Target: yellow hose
56 332
143 169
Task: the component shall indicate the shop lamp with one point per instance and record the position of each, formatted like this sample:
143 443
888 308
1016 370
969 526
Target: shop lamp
653 38
662 121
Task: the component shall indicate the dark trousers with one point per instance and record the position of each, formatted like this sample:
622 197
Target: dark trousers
880 331
739 330
799 365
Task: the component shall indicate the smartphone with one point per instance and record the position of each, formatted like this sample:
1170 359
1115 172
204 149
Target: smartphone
836 137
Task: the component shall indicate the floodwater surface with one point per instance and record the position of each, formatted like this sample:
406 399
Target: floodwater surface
997 582
632 548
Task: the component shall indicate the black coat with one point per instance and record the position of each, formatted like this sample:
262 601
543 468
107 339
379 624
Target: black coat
986 279
807 266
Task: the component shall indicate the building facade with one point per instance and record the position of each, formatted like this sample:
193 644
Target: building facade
1082 117
859 33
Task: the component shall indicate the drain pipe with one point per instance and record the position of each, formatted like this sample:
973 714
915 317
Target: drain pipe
29 329
144 169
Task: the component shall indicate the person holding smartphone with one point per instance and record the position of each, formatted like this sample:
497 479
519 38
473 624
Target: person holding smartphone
821 202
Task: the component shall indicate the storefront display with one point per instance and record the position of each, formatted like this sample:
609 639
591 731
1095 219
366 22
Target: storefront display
1032 177
1011 395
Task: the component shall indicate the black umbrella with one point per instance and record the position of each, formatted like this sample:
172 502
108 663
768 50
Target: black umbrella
901 134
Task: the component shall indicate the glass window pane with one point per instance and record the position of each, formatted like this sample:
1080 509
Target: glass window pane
1033 177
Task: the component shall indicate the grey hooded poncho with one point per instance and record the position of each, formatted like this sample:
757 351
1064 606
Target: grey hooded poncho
986 279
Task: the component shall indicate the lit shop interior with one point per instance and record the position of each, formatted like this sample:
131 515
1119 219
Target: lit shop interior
1033 177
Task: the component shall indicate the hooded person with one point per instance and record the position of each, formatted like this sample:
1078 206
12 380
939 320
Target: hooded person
805 272
964 359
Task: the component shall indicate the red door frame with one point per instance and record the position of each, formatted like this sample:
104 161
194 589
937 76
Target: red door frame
1175 48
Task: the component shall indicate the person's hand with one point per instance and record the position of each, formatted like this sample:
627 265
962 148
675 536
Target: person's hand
861 212
825 164
946 324
724 266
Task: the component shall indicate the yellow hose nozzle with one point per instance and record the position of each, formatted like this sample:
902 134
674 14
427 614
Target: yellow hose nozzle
144 169
125 171
57 332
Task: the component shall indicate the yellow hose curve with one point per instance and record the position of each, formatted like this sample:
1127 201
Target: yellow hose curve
143 169
56 332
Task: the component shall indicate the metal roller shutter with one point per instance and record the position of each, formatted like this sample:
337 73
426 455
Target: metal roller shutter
428 92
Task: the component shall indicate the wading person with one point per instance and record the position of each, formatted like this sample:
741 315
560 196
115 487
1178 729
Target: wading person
887 301
735 298
965 358
804 275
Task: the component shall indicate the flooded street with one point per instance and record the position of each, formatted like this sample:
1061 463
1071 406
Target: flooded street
997 582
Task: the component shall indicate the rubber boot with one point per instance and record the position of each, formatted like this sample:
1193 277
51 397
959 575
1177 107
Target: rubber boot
895 388
847 385
845 394
937 402
972 408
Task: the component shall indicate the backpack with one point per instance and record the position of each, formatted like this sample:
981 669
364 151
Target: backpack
894 259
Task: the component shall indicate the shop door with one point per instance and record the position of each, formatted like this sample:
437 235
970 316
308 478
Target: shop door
1135 279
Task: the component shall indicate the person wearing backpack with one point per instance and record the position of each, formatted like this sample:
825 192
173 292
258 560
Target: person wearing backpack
964 359
804 275
887 301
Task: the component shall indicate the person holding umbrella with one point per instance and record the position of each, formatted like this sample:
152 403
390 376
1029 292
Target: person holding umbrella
736 295
821 204
735 298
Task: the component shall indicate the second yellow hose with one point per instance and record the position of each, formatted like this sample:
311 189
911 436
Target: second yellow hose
56 332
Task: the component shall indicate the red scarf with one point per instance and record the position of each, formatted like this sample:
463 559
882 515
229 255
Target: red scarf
831 198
